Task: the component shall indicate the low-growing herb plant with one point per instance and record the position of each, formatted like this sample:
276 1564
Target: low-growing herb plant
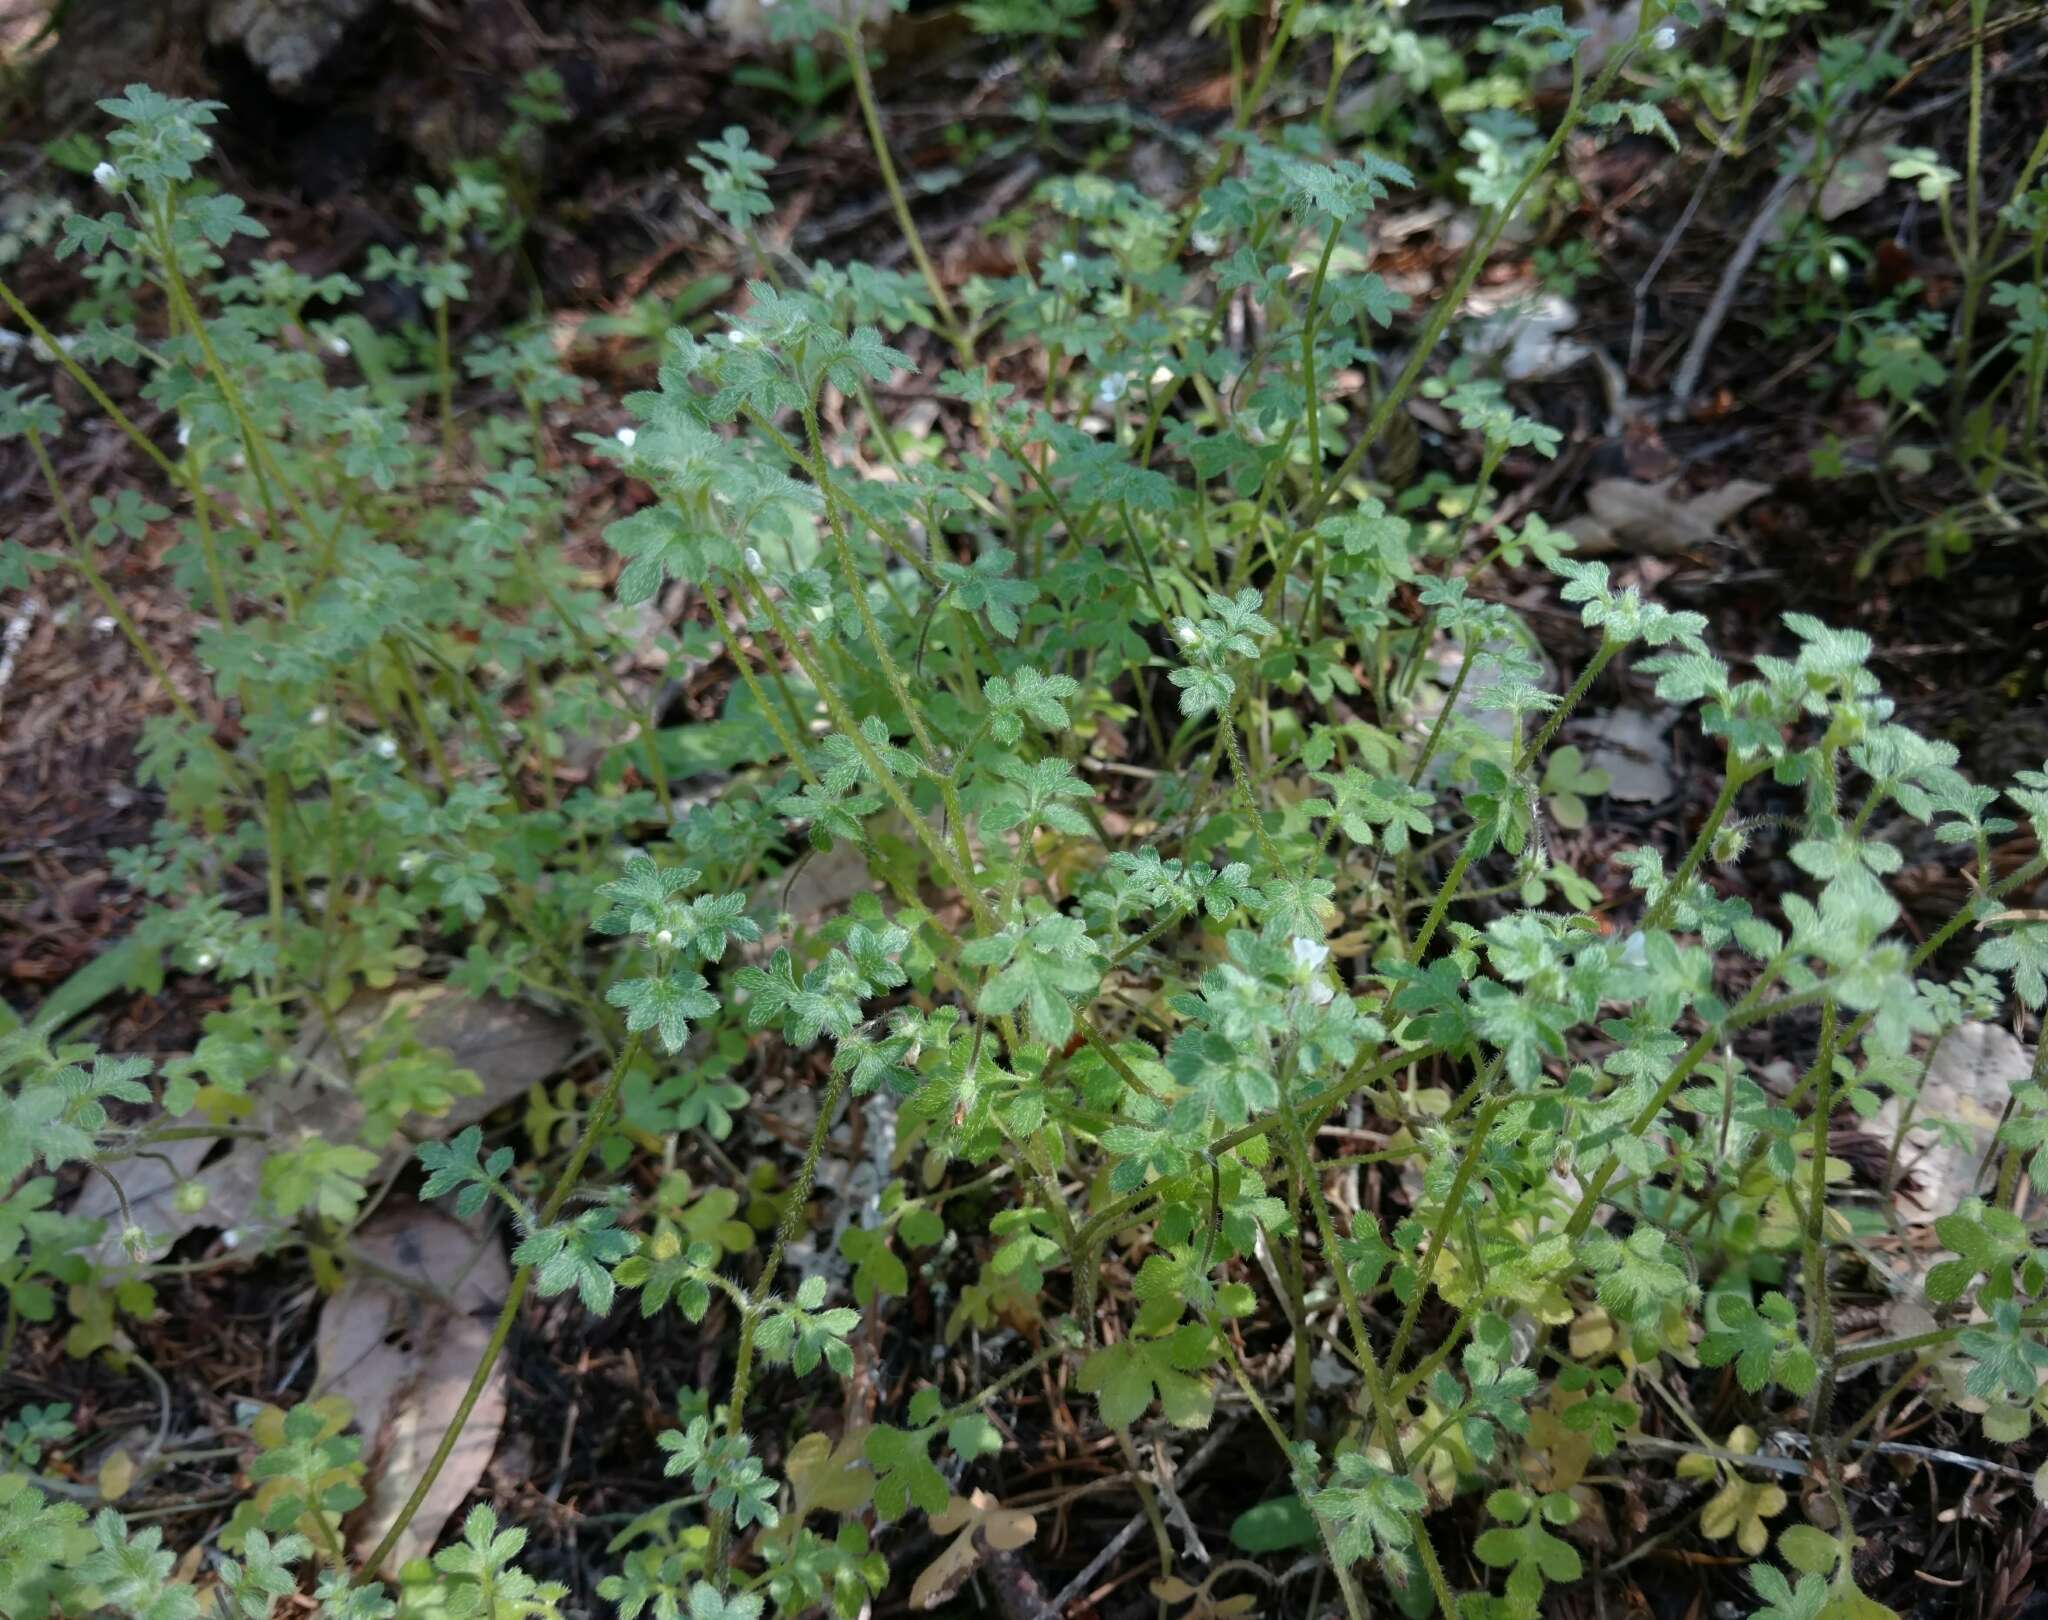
1211 797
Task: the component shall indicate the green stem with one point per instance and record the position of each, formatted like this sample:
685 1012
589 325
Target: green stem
84 379
1247 109
1570 701
750 1318
1973 211
1244 788
1311 396
871 116
1354 1605
1468 1162
1453 300
1731 784
82 560
1820 1305
1385 1413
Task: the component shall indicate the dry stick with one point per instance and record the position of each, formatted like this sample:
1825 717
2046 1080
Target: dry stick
1641 291
1148 1502
1724 295
502 1330
1122 1539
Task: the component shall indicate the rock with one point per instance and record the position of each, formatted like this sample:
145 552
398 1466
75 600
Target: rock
288 40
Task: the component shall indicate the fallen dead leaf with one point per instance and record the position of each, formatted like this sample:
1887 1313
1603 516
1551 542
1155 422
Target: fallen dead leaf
1859 177
1962 1100
507 1045
1530 336
1634 748
1005 1529
400 1343
1625 515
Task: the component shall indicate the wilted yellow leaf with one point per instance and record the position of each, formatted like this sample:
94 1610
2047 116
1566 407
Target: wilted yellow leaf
117 1473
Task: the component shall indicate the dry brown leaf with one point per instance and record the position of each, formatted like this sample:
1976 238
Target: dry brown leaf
403 1355
1623 514
1859 177
1634 749
508 1045
1005 1529
1531 336
1966 1088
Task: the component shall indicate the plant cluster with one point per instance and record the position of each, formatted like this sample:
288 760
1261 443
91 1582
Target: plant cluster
1210 794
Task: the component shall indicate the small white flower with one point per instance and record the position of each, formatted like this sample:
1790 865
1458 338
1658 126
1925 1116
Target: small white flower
664 937
1186 634
411 862
104 174
755 566
204 960
738 337
1309 953
338 347
184 434
385 747
1665 37
1068 261
104 623
318 717
626 436
1320 992
1111 388
231 1238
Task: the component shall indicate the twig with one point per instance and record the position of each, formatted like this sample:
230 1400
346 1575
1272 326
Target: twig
1176 1512
1641 290
1777 1463
1122 1539
1724 295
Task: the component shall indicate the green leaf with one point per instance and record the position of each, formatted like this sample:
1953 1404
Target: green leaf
1125 1376
1047 963
453 1167
1027 694
1372 1509
904 1473
578 1253
1275 1526
877 1270
665 1005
